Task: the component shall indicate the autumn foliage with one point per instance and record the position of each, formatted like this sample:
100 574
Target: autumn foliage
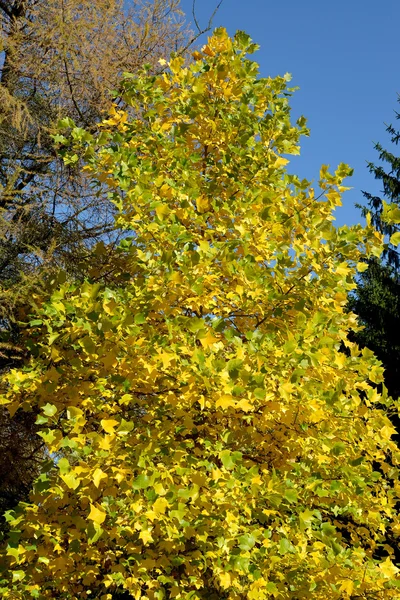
208 437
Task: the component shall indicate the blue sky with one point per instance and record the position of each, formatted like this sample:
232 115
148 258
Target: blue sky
344 57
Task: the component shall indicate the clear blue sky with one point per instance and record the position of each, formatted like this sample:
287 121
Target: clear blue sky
344 56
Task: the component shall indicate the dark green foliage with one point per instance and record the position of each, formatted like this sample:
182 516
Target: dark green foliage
389 174
21 455
377 298
377 303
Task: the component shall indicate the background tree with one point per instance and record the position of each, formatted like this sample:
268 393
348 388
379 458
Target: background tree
61 58
388 173
376 301
377 298
58 58
213 440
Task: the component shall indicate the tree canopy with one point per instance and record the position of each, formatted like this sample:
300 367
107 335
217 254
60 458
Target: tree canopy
208 437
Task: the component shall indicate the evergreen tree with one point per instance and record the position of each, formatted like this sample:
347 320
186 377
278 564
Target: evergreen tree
376 300
388 174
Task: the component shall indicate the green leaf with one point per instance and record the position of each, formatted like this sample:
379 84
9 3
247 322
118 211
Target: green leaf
291 496
390 213
285 546
94 532
125 427
41 420
272 589
242 40
140 318
328 529
63 466
65 123
49 410
229 458
52 338
247 541
141 482
241 563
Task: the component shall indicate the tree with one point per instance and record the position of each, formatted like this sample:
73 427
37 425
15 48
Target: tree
61 58
212 440
390 177
376 302
377 296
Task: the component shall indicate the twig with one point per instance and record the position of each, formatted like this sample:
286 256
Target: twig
210 20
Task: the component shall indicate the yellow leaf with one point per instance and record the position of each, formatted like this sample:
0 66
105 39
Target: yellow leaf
362 266
347 586
387 432
207 50
280 162
245 405
395 238
225 580
162 210
334 198
204 246
340 359
166 358
256 480
70 480
98 475
203 204
239 289
343 269
225 401
106 442
208 340
176 277
146 536
97 515
388 568
160 505
109 425
176 64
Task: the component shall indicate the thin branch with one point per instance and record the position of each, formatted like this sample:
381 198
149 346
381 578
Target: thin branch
200 31
196 22
195 17
72 92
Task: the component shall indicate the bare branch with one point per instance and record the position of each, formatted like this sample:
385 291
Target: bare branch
210 20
